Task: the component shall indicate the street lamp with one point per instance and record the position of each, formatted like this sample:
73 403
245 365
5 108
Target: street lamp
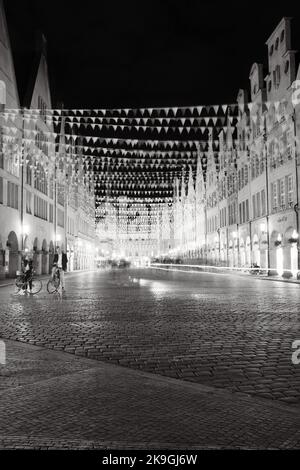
262 228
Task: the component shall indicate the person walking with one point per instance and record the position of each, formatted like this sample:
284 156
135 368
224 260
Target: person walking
60 262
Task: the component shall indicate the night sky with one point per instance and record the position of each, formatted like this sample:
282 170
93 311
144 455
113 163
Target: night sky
138 54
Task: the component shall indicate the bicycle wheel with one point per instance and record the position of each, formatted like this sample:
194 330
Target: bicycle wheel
19 282
36 286
52 285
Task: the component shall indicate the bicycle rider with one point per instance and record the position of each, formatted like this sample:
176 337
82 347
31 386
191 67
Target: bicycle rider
60 261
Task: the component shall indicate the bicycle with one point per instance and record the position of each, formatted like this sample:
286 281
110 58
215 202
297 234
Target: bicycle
22 283
54 283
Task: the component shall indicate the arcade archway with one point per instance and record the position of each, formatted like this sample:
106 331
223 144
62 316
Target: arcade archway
13 254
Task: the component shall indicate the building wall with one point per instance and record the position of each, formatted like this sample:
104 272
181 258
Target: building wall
35 215
251 202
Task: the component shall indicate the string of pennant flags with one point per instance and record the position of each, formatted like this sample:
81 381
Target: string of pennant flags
133 167
198 110
73 139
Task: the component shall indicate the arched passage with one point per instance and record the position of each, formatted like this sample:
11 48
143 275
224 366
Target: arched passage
276 252
290 250
13 248
51 256
35 257
27 246
44 257
256 250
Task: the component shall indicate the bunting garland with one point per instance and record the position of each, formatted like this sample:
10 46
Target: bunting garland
138 155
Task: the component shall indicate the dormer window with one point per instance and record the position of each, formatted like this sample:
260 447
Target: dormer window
286 66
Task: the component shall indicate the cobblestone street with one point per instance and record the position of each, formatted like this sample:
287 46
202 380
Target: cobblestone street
53 400
219 330
225 333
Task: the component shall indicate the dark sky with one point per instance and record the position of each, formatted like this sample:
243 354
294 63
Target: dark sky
137 53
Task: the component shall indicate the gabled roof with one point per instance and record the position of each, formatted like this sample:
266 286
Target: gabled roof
39 71
7 70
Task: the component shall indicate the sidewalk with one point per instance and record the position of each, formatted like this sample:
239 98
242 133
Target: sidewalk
11 281
194 269
55 400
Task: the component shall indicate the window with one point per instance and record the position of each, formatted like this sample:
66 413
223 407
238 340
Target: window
12 159
254 206
274 195
276 43
288 144
51 187
276 76
42 107
1 147
242 178
60 194
282 192
51 213
60 218
257 167
40 180
271 50
252 170
282 35
244 211
290 190
270 85
263 202
40 208
258 213
247 210
246 175
29 171
28 202
286 66
12 195
262 165
1 190
271 154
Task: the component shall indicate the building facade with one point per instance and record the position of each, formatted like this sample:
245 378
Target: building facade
248 209
42 203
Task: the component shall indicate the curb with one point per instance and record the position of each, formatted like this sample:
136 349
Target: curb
232 273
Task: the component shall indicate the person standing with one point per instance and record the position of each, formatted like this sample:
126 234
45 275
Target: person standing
60 262
28 272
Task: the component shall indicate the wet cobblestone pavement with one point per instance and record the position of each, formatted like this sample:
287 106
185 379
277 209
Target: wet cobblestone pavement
218 330
76 403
